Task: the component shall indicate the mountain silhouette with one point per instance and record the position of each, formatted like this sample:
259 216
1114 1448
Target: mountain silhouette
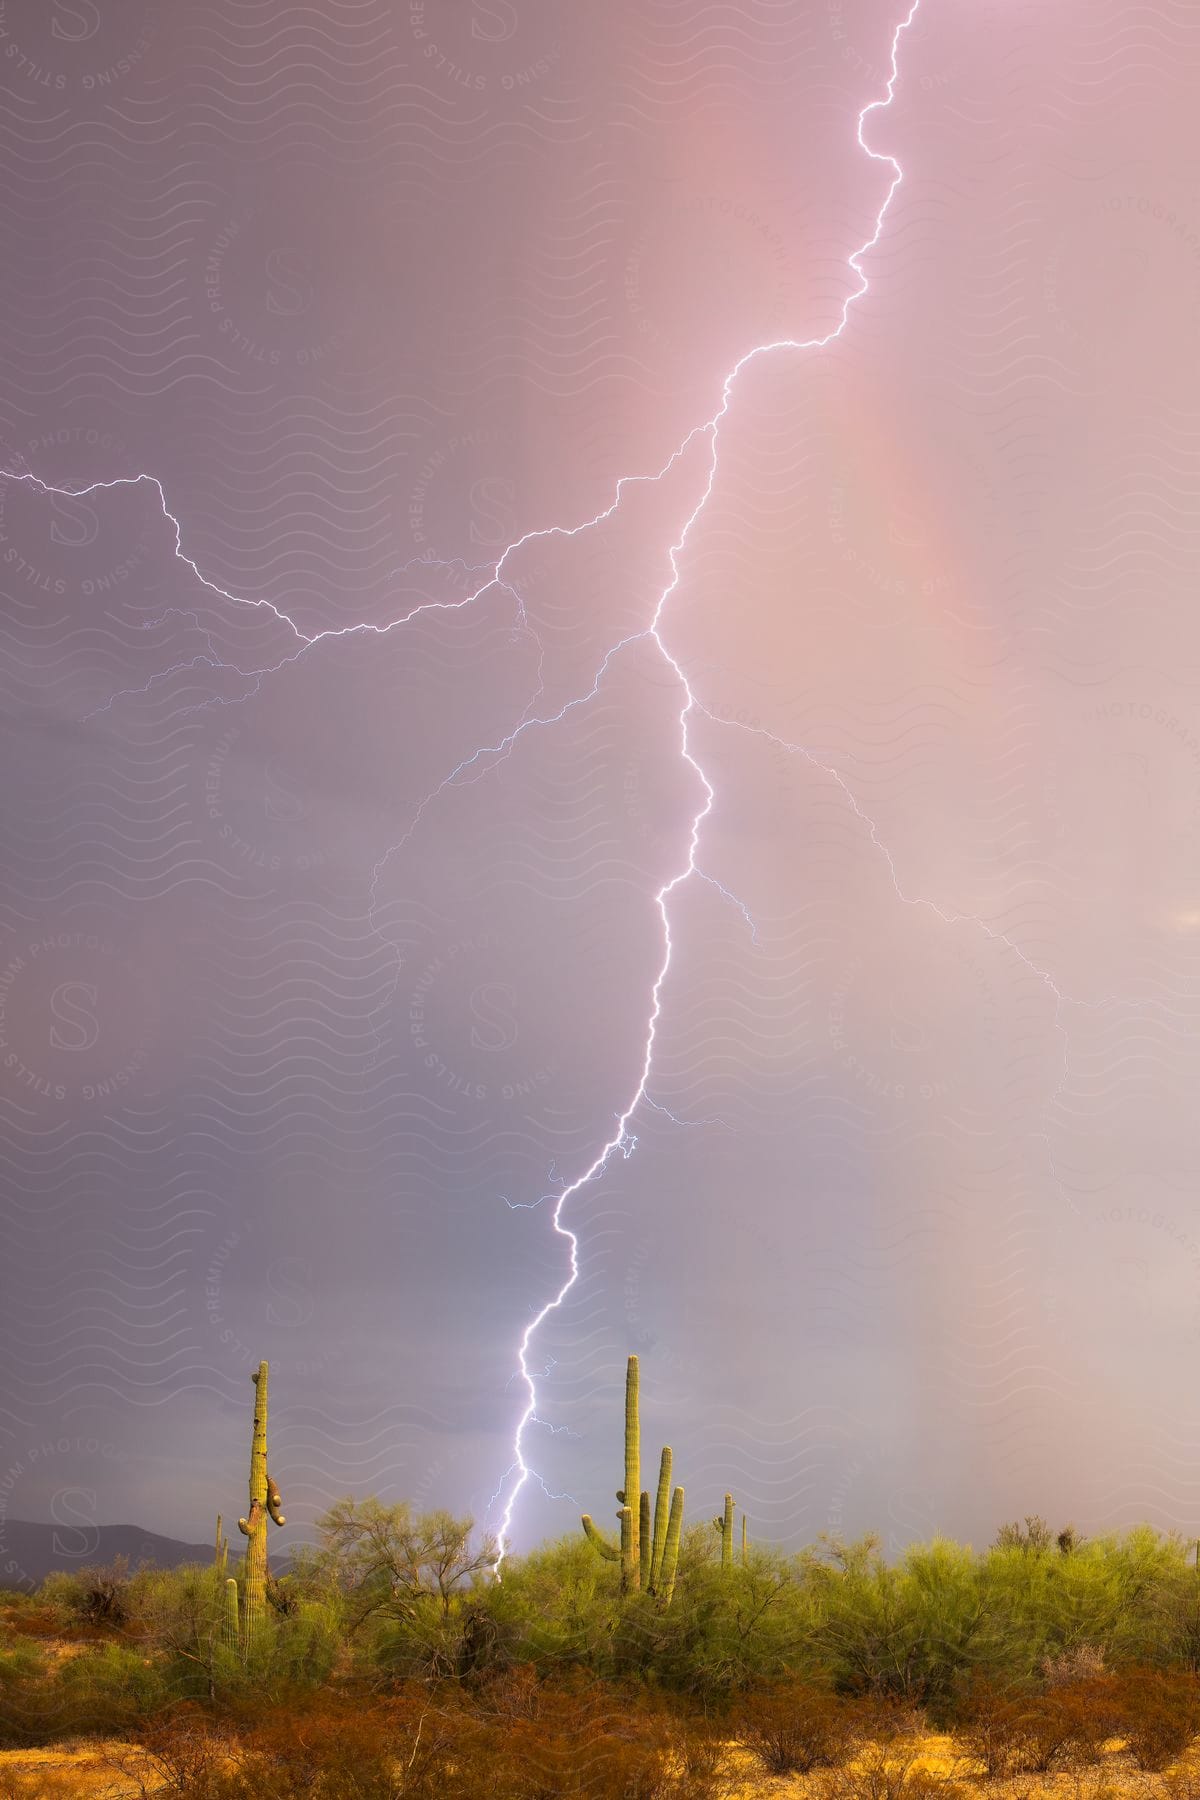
30 1551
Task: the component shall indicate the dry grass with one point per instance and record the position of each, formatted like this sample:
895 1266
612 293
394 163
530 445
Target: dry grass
92 1771
940 1765
83 1773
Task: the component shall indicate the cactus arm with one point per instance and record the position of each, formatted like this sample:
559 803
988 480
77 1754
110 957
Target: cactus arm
230 1625
662 1501
249 1526
670 1559
275 1503
597 1539
633 1466
645 1543
743 1537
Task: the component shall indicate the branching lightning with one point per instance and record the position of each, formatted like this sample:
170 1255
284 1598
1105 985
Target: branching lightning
622 1138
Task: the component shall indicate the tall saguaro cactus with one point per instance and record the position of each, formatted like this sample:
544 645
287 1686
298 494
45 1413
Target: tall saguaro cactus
643 1543
265 1503
661 1502
725 1526
630 1495
670 1561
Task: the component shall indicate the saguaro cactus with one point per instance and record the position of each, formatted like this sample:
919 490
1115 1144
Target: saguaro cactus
743 1537
629 1495
264 1503
645 1542
643 1547
670 1558
221 1554
661 1502
725 1526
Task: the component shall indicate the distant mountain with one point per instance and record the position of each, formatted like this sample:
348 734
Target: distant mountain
29 1551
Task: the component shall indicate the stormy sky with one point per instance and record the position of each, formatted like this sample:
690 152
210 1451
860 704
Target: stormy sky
327 962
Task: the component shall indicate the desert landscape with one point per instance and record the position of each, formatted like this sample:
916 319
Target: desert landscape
401 1656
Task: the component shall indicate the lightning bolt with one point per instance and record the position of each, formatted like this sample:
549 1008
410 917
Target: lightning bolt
621 1139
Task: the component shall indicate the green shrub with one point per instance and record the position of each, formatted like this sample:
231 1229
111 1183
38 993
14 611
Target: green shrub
23 1693
107 1691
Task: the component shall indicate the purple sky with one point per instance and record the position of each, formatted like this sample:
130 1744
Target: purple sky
296 1033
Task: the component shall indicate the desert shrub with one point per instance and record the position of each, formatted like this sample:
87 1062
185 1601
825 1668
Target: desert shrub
522 1738
179 1752
555 1607
884 1719
23 1706
108 1691
1157 1712
97 1595
723 1630
700 1745
906 1632
792 1727
62 1592
990 1727
508 1694
1049 1728
178 1616
1088 1706
405 1584
105 1593
329 1746
587 1740
39 1618
425 1645
1010 1731
336 1758
582 1739
303 1646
